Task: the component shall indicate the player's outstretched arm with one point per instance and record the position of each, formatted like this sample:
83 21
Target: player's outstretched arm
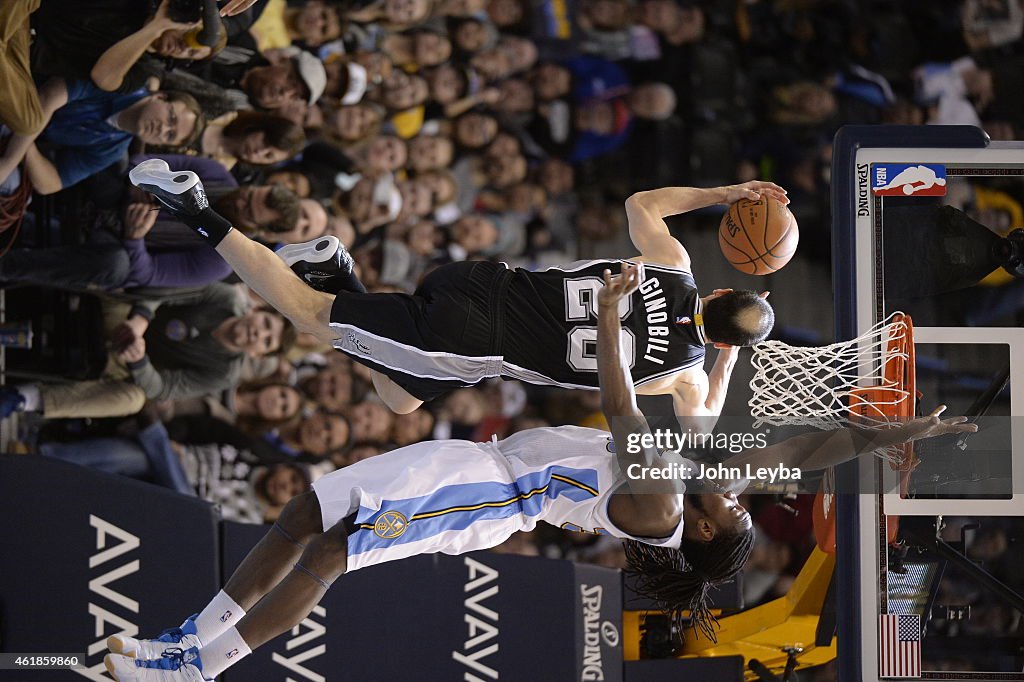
646 212
650 505
824 449
618 399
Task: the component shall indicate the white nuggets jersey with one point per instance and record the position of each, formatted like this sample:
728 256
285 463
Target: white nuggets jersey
454 496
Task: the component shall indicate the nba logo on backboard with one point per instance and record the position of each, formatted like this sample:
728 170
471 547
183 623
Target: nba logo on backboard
908 180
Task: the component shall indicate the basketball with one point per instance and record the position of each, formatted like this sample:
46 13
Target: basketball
758 237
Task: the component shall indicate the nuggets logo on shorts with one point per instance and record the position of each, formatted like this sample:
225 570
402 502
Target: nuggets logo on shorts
390 525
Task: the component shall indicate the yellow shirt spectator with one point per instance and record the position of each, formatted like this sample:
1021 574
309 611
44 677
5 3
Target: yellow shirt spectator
408 123
270 30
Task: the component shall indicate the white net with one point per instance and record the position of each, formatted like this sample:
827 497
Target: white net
823 386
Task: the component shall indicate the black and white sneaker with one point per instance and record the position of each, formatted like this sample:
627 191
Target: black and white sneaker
180 191
323 263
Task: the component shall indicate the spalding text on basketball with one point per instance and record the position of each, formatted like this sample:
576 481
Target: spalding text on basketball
731 226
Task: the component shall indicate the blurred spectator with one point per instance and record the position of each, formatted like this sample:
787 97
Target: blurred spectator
198 456
118 44
88 129
251 137
318 436
175 350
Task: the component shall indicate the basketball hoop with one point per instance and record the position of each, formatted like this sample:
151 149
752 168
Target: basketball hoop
868 380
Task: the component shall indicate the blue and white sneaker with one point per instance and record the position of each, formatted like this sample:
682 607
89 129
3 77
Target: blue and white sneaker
324 263
175 665
180 191
182 637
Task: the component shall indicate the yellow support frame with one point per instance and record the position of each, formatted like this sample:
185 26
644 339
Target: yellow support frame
762 632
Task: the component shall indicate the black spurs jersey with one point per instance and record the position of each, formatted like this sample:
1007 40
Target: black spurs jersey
550 324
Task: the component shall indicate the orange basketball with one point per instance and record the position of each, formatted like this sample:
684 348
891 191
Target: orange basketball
758 237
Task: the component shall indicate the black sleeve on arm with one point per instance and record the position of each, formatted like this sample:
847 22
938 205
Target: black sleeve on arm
141 72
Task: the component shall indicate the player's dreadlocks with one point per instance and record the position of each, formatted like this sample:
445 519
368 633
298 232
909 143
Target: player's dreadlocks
681 579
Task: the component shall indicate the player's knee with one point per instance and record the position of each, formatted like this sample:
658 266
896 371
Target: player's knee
326 555
301 517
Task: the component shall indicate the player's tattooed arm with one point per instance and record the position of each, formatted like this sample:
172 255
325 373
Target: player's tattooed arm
649 501
617 395
645 507
824 449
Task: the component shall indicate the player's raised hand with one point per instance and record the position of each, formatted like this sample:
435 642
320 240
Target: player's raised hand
932 425
753 190
619 286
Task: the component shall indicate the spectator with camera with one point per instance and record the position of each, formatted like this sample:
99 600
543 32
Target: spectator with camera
120 44
267 81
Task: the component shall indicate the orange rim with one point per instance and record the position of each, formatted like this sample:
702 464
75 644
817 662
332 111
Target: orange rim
895 399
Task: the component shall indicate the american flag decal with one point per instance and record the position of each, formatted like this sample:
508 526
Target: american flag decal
899 646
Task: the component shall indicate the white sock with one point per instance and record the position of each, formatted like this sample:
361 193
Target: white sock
219 615
222 653
33 401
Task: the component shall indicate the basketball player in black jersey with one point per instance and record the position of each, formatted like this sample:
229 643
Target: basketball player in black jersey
474 320
682 538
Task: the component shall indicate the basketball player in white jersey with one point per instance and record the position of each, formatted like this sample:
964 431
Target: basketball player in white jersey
457 496
473 320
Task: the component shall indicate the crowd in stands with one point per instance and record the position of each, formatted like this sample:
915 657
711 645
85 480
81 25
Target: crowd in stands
419 132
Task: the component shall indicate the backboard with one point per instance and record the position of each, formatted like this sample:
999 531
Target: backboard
920 223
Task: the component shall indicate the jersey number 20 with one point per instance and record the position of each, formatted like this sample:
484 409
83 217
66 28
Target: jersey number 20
581 306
